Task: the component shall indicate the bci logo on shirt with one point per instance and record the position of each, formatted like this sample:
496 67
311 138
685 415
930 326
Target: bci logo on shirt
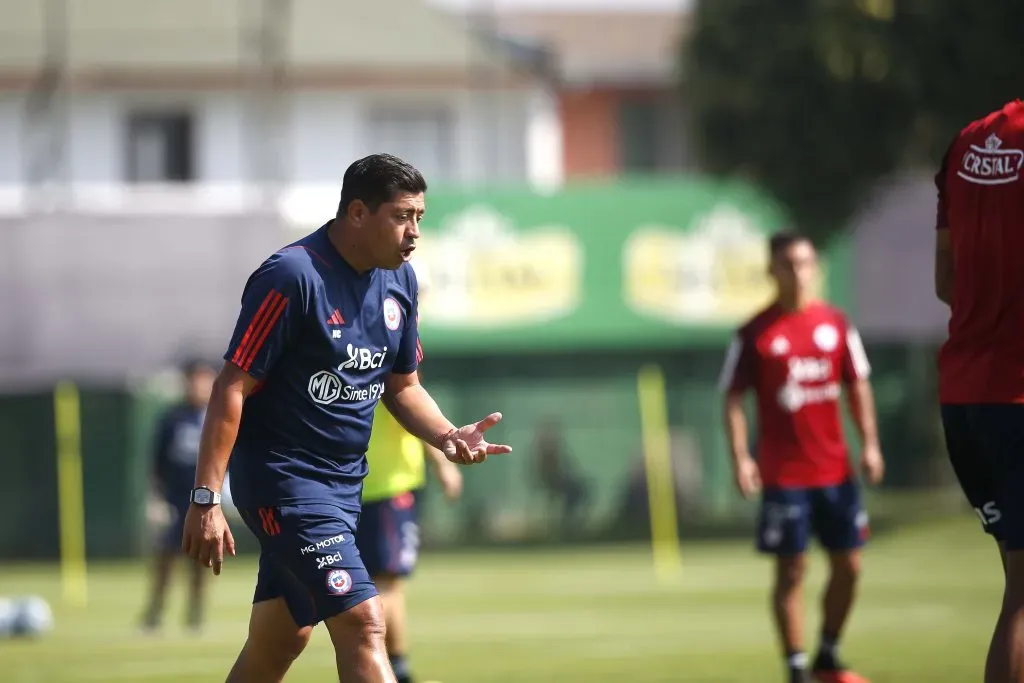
363 359
810 369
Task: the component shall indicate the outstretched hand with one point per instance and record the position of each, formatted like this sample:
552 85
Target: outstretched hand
467 445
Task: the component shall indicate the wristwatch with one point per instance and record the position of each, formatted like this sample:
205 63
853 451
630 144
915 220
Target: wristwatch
202 495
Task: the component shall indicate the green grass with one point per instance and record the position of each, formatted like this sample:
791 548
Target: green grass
929 598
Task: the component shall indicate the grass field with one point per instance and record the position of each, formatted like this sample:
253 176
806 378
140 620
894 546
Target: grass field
928 600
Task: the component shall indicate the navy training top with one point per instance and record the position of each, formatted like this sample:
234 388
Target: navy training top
320 338
176 450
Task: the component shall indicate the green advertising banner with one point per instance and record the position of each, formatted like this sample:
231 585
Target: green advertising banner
669 263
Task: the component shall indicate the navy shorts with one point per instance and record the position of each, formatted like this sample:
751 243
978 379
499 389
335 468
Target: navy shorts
788 517
986 449
308 556
389 535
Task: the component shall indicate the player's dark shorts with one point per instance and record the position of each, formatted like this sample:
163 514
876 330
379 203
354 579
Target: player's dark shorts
309 557
389 535
170 540
789 516
986 448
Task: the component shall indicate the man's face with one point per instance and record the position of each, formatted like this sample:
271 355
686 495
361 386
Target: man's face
389 234
795 269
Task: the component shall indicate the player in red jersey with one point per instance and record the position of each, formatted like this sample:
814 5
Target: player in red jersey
796 355
979 272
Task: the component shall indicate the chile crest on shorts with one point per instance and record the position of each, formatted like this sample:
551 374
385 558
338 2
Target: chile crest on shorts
339 581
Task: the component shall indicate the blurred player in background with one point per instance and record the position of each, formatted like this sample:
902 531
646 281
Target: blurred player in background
796 355
175 450
979 272
328 327
388 536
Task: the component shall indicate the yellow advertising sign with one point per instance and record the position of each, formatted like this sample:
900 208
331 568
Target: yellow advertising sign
483 273
713 273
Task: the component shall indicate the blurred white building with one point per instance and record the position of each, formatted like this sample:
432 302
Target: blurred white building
220 94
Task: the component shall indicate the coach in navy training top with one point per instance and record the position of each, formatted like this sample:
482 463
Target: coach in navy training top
327 328
305 429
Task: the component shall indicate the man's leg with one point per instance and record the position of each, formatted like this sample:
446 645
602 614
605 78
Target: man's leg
837 603
310 560
358 637
388 540
783 530
999 428
996 662
274 642
841 524
163 564
197 597
788 609
976 437
392 593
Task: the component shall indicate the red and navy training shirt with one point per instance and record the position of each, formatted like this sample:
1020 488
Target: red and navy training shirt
981 203
321 339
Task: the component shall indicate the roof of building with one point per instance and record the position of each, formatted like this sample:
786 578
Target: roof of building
214 41
605 46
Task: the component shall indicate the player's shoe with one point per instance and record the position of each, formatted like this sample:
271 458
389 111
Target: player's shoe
837 676
831 670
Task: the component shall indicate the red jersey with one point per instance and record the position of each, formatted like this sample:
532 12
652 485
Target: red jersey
981 203
796 363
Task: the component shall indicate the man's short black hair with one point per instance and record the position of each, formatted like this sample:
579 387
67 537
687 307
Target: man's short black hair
783 240
376 179
191 367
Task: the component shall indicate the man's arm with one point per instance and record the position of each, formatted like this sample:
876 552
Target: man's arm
861 399
943 266
736 428
415 409
273 307
856 371
220 428
734 380
738 375
943 244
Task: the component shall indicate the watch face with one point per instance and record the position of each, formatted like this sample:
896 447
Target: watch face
202 496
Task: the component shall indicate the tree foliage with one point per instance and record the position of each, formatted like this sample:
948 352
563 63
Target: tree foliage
815 100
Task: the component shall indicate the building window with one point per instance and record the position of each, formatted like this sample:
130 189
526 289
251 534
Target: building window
160 147
640 126
652 134
423 136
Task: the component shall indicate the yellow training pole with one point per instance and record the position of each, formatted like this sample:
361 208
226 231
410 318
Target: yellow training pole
67 416
661 499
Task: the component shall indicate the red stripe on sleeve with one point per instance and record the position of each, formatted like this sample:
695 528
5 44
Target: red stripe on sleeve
250 331
419 351
276 309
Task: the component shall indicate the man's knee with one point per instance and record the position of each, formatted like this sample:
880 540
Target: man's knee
789 573
845 566
360 627
274 642
1013 597
388 584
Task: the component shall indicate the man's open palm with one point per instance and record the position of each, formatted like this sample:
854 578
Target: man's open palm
467 445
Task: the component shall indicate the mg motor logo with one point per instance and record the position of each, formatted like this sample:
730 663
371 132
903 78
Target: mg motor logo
324 387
